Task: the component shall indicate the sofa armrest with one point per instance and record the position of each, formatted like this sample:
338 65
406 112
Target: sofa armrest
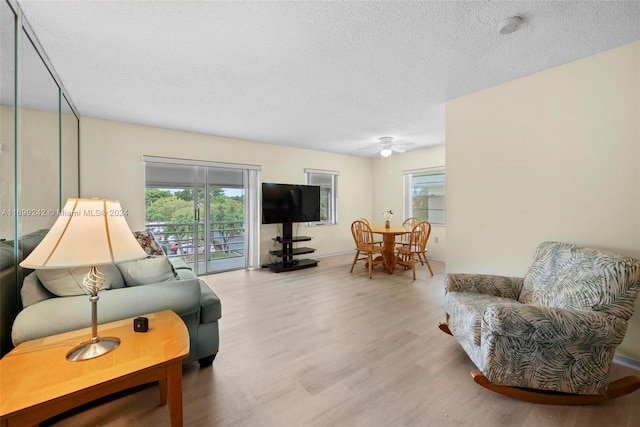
210 303
62 314
550 325
497 286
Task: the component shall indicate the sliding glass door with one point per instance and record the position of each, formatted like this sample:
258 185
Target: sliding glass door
203 212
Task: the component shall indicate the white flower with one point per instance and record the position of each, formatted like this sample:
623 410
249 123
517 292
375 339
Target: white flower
388 215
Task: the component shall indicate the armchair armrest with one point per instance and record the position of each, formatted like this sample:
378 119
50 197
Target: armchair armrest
498 286
553 325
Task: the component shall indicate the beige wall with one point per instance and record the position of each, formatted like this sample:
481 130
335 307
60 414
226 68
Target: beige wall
112 167
388 190
38 183
7 171
552 156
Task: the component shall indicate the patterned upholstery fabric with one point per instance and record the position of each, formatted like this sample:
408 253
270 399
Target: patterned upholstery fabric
567 276
555 329
499 286
148 242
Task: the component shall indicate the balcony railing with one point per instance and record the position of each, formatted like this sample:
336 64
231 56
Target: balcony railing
226 239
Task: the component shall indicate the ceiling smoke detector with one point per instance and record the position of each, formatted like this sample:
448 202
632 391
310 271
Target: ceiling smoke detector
510 25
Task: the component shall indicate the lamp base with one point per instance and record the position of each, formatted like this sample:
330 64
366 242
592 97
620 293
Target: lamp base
89 350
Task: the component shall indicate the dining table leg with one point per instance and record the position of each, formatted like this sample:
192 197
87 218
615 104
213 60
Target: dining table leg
388 251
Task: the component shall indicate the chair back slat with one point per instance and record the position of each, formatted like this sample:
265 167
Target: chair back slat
362 235
408 225
419 236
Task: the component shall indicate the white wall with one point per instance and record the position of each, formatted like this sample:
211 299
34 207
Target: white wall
112 167
552 156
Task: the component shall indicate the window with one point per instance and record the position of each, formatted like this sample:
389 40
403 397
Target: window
424 194
205 212
328 182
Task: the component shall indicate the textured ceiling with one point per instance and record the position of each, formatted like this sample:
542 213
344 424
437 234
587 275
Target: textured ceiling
331 76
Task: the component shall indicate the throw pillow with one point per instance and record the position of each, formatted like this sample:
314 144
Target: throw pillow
146 271
65 282
32 290
148 242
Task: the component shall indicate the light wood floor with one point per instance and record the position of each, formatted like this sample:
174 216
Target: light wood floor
323 347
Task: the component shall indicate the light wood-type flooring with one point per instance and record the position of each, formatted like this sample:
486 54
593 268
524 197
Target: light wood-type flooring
323 347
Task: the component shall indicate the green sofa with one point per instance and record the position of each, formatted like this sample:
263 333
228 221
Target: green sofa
132 289
11 276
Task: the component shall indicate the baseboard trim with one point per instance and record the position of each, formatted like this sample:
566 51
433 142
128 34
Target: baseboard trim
626 361
353 251
333 254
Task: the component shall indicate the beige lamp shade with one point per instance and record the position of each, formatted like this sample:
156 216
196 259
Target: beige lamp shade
88 232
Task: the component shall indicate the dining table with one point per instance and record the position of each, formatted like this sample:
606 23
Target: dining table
389 242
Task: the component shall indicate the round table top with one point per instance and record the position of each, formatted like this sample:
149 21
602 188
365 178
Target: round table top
394 229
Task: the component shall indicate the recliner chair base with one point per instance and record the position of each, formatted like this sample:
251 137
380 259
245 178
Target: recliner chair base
616 389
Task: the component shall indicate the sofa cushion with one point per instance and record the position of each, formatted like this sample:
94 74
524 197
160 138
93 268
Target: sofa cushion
148 242
28 242
6 254
146 271
65 282
210 304
183 273
57 315
181 269
179 263
32 290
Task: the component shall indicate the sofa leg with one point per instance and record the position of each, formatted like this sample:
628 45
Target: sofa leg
205 362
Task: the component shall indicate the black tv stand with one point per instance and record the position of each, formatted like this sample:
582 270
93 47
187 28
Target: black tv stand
287 252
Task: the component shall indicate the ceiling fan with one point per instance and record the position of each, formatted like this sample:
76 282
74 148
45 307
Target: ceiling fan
388 147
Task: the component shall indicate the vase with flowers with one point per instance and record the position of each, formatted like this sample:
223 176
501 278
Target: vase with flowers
387 217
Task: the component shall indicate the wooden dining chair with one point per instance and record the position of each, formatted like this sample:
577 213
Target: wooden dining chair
416 248
363 238
366 221
403 240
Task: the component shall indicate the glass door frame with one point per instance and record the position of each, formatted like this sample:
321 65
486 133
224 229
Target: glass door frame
202 169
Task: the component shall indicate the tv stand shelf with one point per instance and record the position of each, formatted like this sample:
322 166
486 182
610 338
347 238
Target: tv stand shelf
279 267
294 251
288 251
292 239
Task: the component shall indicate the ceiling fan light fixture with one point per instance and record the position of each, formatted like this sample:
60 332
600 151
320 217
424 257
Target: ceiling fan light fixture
385 152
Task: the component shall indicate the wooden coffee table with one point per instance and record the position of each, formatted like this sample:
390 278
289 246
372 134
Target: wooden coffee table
37 382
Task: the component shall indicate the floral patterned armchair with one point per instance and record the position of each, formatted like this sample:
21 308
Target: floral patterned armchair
555 330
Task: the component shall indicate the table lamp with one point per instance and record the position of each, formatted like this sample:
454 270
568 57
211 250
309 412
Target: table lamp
88 233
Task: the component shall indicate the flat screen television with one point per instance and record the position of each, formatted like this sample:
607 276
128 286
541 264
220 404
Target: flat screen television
282 203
